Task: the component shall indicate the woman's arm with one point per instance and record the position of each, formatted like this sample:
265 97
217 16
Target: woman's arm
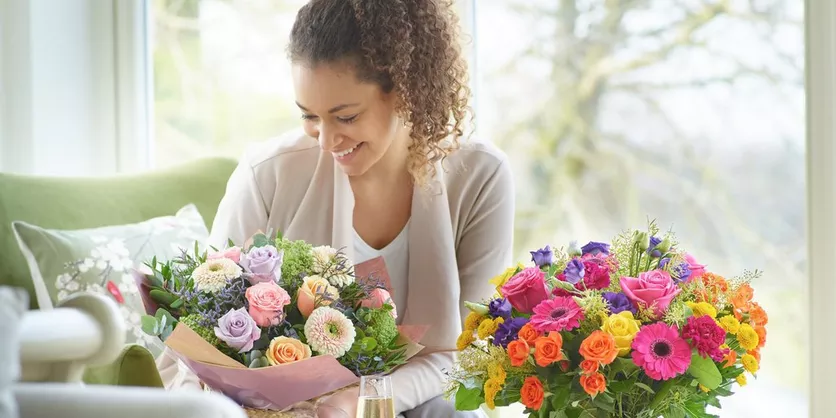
242 211
485 250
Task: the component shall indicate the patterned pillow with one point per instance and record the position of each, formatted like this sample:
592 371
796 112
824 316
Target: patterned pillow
13 303
101 260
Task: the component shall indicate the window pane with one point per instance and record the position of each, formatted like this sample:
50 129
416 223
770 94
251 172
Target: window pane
221 76
687 112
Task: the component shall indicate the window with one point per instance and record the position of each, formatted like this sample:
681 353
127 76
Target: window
221 77
689 112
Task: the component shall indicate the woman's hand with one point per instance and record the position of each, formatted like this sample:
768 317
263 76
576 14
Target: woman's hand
342 404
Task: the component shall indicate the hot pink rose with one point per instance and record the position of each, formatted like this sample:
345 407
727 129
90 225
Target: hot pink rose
377 298
267 301
653 288
526 289
697 269
232 253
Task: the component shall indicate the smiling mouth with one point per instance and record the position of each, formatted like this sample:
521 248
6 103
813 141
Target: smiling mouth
346 152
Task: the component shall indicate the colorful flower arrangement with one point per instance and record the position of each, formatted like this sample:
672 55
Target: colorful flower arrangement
635 328
276 302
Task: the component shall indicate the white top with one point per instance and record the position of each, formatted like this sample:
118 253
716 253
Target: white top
396 256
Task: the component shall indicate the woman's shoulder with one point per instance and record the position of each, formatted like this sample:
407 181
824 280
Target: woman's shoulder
476 161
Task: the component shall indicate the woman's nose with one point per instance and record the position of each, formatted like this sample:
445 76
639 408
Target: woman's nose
328 138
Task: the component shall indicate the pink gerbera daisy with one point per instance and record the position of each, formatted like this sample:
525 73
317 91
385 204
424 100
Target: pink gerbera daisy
661 352
558 314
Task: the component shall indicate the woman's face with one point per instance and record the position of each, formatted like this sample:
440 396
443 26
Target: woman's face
354 121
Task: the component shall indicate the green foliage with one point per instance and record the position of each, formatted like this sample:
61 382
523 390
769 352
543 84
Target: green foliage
297 262
705 371
468 399
193 322
160 325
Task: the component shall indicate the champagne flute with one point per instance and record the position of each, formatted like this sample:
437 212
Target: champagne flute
377 399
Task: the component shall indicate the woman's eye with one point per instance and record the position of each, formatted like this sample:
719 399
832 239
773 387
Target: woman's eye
349 119
308 117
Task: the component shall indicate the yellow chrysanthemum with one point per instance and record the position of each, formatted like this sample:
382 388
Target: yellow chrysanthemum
489 326
730 324
702 309
492 387
750 363
741 380
464 340
500 279
472 321
704 389
747 337
496 372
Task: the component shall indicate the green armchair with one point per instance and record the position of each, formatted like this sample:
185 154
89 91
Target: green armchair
81 203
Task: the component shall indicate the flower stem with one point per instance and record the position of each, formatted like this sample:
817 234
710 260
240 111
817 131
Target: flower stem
661 394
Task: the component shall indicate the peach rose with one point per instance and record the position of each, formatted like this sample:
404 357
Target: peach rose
589 366
528 333
283 350
532 393
267 301
599 346
593 384
315 292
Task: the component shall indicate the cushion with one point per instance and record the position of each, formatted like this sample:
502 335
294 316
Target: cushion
100 260
70 203
13 303
135 366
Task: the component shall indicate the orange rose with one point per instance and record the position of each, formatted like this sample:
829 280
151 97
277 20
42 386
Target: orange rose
547 349
761 331
589 366
531 394
528 333
599 346
712 286
284 350
757 315
742 296
518 351
593 384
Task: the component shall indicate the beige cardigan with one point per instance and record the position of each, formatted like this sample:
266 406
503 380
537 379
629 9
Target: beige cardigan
460 234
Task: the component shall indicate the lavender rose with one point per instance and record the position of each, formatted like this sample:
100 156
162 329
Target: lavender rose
543 257
238 330
264 264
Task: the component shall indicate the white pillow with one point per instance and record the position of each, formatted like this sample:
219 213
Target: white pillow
13 304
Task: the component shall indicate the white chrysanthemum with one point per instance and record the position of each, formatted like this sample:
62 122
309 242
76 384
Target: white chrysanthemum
341 279
323 257
212 275
329 332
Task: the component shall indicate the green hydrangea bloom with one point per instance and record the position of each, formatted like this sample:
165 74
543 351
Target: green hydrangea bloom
297 259
381 326
208 334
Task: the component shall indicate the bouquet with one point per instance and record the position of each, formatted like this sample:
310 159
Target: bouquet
275 323
632 328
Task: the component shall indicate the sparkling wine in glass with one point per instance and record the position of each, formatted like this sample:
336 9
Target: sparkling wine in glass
376 397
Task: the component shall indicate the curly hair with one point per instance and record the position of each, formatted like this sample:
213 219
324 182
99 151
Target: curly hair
410 47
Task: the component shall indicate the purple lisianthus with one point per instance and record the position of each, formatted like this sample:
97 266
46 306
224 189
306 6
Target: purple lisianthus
264 264
652 250
681 273
500 308
509 331
238 330
596 248
618 302
543 257
574 271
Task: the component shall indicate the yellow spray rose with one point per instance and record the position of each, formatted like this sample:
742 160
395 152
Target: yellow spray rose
500 280
623 327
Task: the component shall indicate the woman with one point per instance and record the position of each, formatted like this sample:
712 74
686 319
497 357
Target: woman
382 90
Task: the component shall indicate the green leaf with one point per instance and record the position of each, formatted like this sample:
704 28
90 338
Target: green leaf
164 318
645 387
605 402
150 325
177 304
229 242
260 240
468 399
369 344
560 397
624 365
162 297
705 371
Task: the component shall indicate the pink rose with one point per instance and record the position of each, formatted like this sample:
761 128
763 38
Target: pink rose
697 269
652 288
377 298
526 289
267 301
232 253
